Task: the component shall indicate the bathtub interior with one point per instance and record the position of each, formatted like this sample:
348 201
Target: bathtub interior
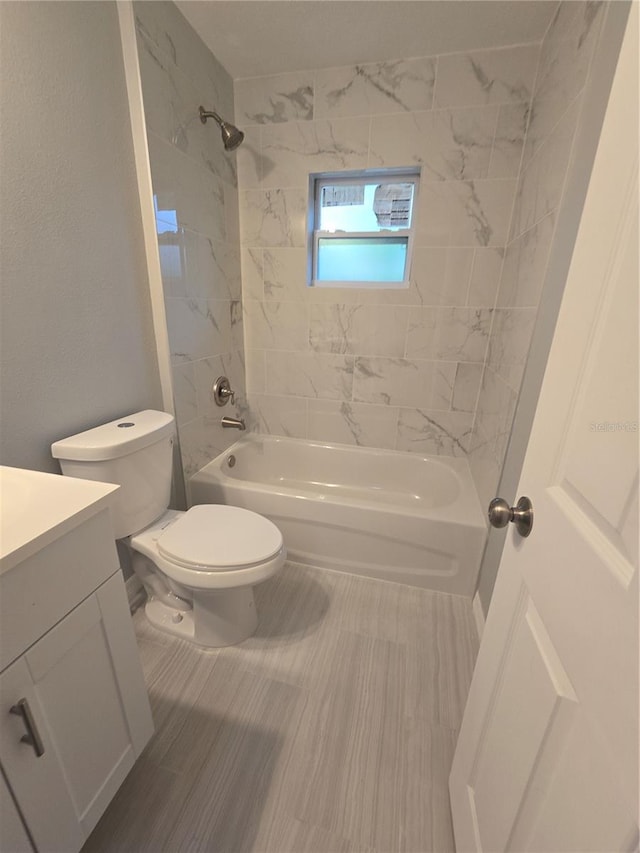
345 473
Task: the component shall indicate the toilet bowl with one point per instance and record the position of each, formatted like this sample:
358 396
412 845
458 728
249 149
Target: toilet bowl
198 567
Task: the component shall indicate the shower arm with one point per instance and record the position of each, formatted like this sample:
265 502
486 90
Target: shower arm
205 114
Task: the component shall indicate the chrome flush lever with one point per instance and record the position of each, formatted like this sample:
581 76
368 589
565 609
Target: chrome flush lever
32 736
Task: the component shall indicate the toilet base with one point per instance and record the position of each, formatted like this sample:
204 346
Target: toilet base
220 618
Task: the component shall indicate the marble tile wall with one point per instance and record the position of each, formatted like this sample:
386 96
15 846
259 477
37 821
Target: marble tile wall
565 57
195 187
397 369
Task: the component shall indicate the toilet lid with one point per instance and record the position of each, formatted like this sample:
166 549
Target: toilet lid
218 537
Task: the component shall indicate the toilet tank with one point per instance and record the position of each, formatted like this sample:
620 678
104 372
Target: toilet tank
134 452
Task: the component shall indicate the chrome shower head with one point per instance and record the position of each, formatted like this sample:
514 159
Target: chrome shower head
231 136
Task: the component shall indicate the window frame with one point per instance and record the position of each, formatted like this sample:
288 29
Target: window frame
357 178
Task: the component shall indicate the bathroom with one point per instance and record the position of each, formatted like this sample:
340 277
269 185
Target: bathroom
142 261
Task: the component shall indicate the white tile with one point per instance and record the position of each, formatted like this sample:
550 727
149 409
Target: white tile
171 105
256 371
184 392
464 213
564 64
433 432
455 334
404 382
496 407
485 468
379 87
441 275
485 277
542 181
352 423
201 441
310 374
279 415
285 274
252 273
358 329
198 328
525 265
509 140
274 217
249 158
447 144
509 344
186 192
466 387
500 76
277 325
291 152
271 100
163 25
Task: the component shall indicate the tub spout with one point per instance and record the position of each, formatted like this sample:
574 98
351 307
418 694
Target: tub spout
233 423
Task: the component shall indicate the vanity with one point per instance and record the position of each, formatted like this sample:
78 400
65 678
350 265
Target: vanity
74 711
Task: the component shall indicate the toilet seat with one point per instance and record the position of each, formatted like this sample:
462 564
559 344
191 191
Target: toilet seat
209 578
219 538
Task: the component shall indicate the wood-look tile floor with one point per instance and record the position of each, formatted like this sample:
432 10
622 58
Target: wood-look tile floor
331 729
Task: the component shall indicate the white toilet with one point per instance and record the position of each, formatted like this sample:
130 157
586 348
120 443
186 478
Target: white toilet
197 567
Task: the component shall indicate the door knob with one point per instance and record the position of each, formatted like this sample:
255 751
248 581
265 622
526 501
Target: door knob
500 514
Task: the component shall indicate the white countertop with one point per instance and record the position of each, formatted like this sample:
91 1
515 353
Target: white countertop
36 508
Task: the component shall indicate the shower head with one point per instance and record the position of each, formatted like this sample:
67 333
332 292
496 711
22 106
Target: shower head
231 136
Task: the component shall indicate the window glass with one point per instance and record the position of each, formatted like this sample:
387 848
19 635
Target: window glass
362 228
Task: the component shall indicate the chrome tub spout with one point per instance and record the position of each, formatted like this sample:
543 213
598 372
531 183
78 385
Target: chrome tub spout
233 423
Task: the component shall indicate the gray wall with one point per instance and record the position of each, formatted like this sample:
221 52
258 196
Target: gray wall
76 337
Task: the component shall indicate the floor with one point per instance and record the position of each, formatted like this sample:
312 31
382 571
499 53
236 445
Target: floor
331 729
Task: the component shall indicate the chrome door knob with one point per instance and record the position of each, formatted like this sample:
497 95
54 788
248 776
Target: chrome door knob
500 514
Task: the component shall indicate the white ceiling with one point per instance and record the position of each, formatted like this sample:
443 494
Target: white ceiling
252 38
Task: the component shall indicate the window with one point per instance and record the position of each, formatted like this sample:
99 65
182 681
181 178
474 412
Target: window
362 228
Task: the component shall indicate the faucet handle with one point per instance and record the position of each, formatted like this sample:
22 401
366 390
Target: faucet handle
222 392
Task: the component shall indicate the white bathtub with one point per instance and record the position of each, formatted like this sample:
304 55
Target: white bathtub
379 513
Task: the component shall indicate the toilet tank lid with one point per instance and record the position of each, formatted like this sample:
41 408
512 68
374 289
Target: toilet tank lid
117 438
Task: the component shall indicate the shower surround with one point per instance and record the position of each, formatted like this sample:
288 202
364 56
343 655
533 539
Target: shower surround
397 369
196 198
435 368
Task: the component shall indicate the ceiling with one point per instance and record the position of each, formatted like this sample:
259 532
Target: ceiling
253 38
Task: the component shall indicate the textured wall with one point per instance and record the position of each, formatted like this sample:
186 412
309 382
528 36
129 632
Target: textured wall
383 368
77 343
194 182
565 58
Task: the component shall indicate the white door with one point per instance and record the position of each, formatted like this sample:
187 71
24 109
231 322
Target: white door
547 758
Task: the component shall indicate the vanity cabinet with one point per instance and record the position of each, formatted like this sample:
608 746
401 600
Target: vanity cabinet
74 712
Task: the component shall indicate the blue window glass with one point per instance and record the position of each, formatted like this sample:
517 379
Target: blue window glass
362 258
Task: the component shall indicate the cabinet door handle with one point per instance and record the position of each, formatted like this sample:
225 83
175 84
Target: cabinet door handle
32 736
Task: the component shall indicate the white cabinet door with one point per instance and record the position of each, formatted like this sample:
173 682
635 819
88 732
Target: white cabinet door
547 758
13 835
86 695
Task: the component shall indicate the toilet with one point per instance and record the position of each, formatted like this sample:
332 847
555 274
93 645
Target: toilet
198 567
